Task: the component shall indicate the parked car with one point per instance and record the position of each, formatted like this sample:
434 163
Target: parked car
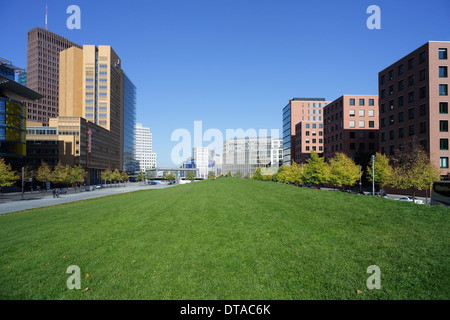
99 186
87 188
92 188
62 191
381 195
408 199
152 183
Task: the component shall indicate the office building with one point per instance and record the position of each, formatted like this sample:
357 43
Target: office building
351 127
414 102
7 69
130 164
91 86
13 119
144 155
304 114
245 155
43 72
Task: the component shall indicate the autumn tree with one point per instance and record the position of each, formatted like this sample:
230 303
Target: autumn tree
413 170
190 176
44 173
140 177
60 173
211 175
7 176
316 170
382 171
343 171
76 175
257 174
106 175
124 176
116 176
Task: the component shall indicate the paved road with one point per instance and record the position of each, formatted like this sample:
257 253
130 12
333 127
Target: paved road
14 202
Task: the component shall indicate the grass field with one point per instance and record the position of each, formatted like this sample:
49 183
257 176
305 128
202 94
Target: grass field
227 239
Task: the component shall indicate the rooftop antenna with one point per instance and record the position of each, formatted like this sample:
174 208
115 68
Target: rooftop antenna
45 17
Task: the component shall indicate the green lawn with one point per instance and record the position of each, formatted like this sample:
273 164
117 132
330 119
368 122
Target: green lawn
227 239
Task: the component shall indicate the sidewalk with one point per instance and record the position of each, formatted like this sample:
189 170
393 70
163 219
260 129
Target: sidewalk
44 199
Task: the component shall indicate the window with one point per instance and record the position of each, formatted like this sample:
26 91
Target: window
410 63
422 75
352 134
442 72
423 109
443 107
383 122
400 101
361 113
400 69
362 135
422 57
383 108
400 117
383 79
411 130
443 126
361 123
400 85
352 124
411 113
444 162
371 102
423 127
383 136
391 135
391 90
352 112
383 93
352 146
443 144
411 96
352 101
361 102
401 132
371 135
307 133
443 90
422 92
442 53
411 80
391 119
371 113
307 126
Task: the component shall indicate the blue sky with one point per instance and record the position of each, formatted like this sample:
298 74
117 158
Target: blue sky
234 64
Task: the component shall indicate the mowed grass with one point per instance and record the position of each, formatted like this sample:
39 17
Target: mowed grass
227 239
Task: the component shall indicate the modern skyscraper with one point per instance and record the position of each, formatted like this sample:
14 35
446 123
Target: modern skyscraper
302 114
351 126
144 155
92 87
43 72
129 123
414 103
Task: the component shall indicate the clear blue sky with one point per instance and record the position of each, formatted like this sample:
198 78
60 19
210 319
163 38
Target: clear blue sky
234 64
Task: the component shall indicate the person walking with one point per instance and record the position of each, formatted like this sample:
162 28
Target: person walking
54 193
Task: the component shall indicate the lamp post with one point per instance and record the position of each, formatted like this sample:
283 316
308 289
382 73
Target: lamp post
360 184
373 174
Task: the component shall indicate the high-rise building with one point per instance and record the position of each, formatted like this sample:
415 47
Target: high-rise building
414 102
92 86
129 123
43 72
144 155
302 114
8 69
351 126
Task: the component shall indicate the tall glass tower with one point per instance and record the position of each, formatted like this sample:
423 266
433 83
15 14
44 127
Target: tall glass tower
129 122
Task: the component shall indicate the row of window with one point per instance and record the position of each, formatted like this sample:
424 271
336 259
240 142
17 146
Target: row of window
443 127
352 102
442 55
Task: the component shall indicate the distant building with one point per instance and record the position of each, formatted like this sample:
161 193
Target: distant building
7 69
204 160
351 127
302 116
22 77
245 155
130 164
144 155
414 104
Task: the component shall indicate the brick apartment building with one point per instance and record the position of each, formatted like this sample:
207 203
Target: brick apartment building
351 126
413 103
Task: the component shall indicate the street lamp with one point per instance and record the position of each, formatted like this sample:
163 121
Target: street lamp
360 184
373 174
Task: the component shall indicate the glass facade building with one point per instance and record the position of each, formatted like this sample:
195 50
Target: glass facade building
129 122
12 128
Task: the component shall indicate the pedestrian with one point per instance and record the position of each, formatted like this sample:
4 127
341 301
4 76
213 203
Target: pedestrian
57 193
54 193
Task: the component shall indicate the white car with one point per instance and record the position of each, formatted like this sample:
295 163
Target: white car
408 199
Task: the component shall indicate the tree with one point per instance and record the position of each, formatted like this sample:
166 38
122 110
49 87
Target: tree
293 174
60 173
257 174
106 175
343 171
211 175
168 175
7 176
413 170
316 170
124 176
382 172
282 172
116 176
229 174
140 176
76 175
190 176
44 173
